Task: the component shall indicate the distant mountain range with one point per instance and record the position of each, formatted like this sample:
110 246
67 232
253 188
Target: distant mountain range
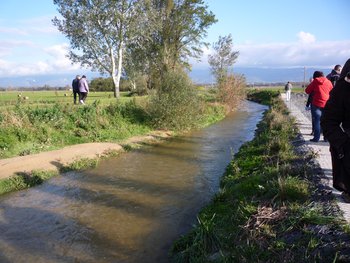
198 75
52 80
261 75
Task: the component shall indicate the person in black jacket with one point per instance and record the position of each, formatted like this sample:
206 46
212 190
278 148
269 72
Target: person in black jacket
335 123
75 87
335 74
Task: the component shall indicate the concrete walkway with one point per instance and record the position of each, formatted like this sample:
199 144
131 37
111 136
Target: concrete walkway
322 150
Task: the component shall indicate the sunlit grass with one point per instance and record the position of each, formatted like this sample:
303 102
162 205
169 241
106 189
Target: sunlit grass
45 98
24 180
264 200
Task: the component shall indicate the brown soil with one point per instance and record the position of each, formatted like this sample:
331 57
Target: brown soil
53 160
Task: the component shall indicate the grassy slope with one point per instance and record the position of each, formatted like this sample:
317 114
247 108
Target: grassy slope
268 208
8 98
31 128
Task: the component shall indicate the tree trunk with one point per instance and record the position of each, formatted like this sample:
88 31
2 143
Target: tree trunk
117 73
116 78
116 84
133 84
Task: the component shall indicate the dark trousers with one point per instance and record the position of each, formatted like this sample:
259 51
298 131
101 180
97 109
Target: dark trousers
82 96
76 96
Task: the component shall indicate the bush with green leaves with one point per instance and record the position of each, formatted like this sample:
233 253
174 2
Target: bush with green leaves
175 105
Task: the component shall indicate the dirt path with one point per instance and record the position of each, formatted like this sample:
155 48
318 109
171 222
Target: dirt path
53 160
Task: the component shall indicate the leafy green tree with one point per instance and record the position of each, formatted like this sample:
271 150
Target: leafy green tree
179 29
223 58
106 84
101 84
100 30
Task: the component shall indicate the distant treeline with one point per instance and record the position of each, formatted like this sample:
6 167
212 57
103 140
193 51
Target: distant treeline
97 84
106 84
274 84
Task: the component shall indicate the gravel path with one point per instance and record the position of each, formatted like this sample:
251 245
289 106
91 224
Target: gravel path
299 100
325 197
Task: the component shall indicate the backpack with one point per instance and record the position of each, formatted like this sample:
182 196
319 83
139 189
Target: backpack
286 87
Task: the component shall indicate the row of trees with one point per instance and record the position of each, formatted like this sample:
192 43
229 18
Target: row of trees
134 37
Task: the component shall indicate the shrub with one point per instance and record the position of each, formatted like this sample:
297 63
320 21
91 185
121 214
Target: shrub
175 104
45 114
7 139
231 91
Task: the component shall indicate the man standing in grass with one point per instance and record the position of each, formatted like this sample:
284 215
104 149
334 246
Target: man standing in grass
75 87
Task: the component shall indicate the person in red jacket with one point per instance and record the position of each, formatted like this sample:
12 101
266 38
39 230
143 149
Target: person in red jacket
320 88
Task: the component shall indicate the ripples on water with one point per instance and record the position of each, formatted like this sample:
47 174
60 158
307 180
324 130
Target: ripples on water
130 208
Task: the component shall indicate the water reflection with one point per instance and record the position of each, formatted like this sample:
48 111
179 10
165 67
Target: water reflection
130 208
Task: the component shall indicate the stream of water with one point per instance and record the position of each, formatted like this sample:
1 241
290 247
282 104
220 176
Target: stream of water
130 208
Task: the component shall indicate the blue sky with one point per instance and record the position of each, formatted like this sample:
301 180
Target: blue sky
270 33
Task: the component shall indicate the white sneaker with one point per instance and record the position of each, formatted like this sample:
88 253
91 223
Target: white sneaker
81 102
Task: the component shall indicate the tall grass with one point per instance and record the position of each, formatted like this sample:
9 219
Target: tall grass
25 130
264 210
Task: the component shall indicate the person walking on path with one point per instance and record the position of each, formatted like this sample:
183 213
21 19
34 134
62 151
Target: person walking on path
83 89
335 74
288 88
75 87
320 88
335 123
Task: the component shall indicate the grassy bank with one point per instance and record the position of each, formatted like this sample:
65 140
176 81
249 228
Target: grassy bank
42 98
270 207
31 128
28 129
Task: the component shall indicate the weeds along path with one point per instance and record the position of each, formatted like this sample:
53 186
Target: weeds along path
54 160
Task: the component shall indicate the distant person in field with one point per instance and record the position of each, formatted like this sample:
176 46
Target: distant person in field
75 87
335 123
83 89
320 88
335 74
288 88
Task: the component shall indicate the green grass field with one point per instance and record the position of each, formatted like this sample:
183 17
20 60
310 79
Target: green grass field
296 89
8 98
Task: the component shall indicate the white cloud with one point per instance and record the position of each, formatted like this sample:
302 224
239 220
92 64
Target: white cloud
39 25
29 27
13 31
306 38
8 69
56 62
33 47
317 54
304 52
59 60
